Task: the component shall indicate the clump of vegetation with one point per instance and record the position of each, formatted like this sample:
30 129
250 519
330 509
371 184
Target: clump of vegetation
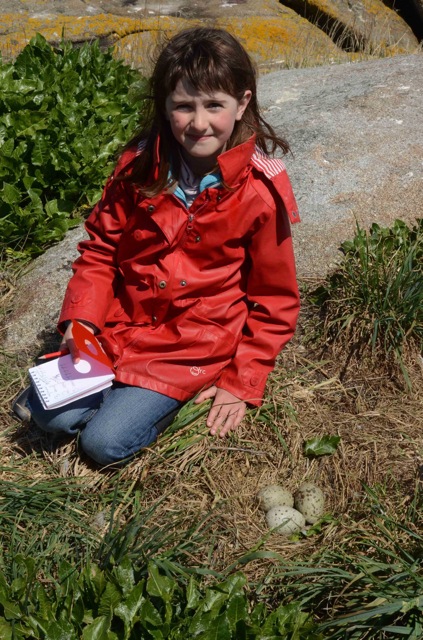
64 112
124 576
373 301
371 585
119 605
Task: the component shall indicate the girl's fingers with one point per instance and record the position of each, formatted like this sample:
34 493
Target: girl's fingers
226 412
69 342
226 421
205 395
215 418
73 349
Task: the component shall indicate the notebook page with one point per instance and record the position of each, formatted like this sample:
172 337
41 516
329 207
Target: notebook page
60 381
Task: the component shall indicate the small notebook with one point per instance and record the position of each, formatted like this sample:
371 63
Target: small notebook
60 381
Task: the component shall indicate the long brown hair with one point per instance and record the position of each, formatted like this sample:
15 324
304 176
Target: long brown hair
210 60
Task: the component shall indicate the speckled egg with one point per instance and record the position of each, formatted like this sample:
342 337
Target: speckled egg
310 501
275 496
286 519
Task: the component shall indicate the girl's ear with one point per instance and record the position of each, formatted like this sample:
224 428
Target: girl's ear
243 103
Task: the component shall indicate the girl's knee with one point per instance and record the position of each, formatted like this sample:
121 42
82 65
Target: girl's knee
54 424
106 449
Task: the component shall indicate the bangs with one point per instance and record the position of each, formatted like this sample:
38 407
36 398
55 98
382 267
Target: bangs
205 75
214 62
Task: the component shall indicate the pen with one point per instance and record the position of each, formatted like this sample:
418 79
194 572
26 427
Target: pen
55 354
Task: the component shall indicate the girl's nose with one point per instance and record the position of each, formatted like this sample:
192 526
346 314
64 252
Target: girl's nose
199 121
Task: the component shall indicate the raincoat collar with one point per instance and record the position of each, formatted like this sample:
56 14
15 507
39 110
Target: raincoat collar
232 163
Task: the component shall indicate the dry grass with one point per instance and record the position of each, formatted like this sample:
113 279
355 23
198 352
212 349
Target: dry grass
381 446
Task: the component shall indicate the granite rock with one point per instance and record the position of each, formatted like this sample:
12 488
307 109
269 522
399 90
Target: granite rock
356 135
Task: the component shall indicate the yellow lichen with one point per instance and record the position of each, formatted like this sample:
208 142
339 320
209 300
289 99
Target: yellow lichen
283 40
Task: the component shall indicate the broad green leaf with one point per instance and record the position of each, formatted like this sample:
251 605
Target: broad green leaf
218 629
8 147
214 600
11 609
6 631
236 610
10 194
200 622
45 603
60 631
192 594
158 585
235 583
97 630
321 446
110 598
94 579
149 614
124 573
130 607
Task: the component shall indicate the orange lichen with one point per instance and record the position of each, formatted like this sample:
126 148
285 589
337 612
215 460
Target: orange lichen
18 29
283 41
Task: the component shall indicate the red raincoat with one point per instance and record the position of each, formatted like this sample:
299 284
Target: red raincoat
186 298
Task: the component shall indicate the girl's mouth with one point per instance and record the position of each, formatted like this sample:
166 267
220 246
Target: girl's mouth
197 138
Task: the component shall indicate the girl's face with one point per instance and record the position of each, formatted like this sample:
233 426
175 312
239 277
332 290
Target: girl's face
202 123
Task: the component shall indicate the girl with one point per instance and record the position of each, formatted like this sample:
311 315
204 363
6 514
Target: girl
188 277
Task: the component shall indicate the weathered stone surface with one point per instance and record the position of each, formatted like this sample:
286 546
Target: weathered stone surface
368 24
286 40
274 35
356 133
39 297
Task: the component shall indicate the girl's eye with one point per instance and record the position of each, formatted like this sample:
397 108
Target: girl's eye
215 105
182 107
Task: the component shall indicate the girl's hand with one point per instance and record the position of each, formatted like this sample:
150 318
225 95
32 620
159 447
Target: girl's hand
69 343
226 412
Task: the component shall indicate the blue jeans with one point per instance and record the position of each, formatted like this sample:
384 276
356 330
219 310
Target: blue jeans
113 424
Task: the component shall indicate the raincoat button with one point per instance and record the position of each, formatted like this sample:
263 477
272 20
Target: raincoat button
162 284
183 283
154 318
151 208
219 198
254 381
197 238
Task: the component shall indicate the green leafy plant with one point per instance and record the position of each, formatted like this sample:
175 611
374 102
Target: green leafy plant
373 301
64 112
117 604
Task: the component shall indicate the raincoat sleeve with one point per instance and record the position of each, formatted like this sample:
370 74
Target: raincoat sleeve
91 289
273 299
